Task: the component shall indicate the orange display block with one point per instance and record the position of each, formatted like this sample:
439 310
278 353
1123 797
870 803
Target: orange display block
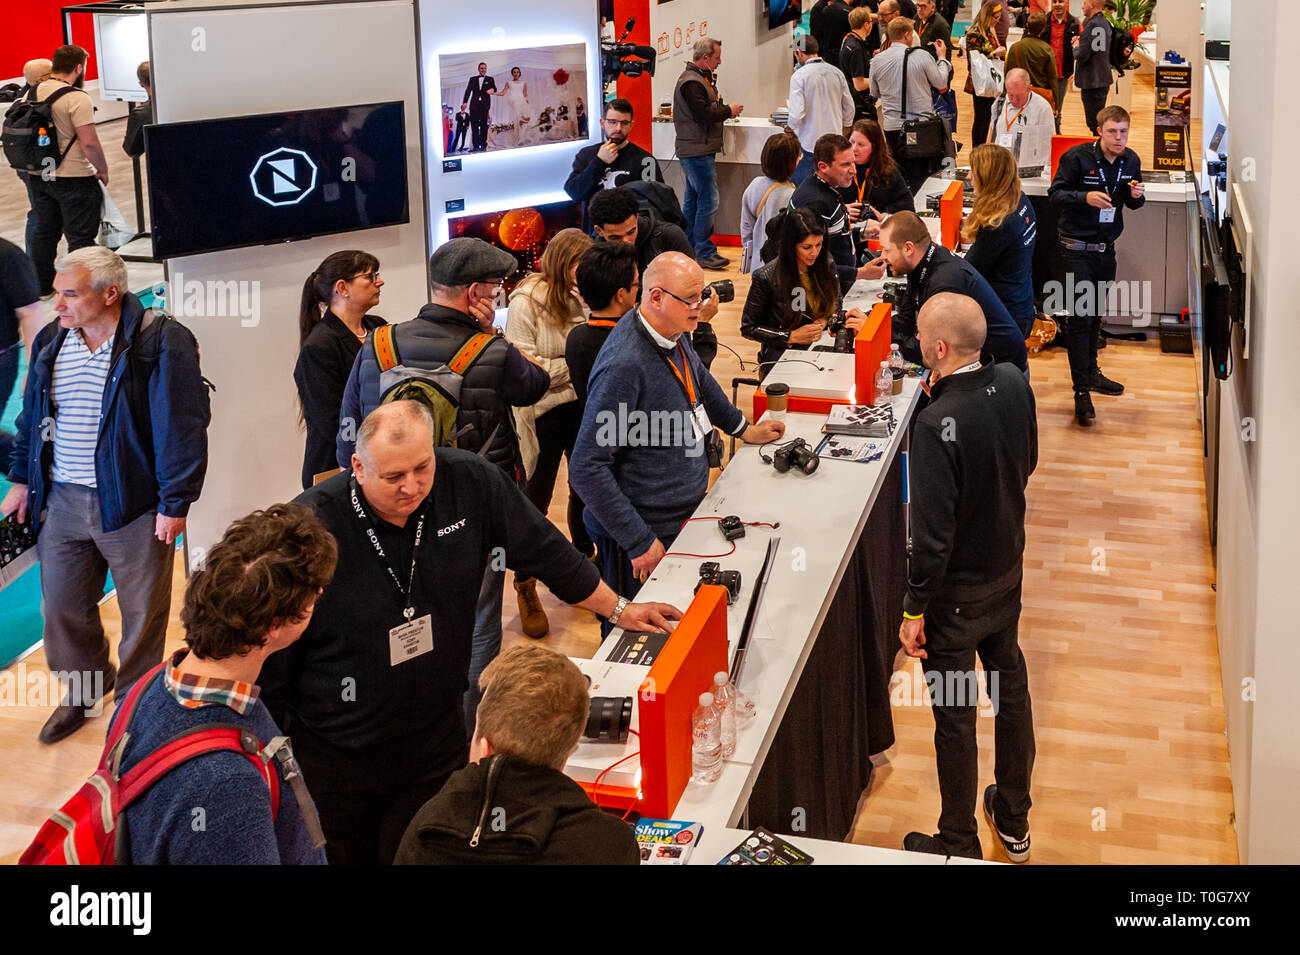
950 214
1061 143
684 669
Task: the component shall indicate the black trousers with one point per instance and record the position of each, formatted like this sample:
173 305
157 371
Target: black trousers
8 376
915 171
954 635
478 123
1093 101
557 430
1088 274
979 131
367 797
64 207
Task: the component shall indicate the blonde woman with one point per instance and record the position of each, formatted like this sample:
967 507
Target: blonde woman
543 310
1001 230
982 35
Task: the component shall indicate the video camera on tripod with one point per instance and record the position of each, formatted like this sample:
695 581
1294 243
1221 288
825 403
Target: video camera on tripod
625 59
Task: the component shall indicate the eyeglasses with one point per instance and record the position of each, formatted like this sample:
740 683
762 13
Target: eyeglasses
698 303
625 123
370 276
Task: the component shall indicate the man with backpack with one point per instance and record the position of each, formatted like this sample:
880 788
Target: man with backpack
1092 75
373 692
50 137
110 452
35 72
450 358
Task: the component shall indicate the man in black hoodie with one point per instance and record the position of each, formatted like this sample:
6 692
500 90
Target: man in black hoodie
513 805
616 216
973 449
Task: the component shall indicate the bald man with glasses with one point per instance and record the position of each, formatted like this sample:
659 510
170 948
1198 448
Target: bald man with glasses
649 432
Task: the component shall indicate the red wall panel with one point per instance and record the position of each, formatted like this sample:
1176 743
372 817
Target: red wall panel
33 28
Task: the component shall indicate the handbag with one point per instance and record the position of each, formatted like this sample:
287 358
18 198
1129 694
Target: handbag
922 138
986 77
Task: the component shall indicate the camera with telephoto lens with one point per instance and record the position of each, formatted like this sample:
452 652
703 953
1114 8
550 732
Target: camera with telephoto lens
625 59
844 336
723 289
798 455
712 573
609 718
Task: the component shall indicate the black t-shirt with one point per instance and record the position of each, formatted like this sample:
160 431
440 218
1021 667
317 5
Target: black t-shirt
18 289
338 679
580 351
855 61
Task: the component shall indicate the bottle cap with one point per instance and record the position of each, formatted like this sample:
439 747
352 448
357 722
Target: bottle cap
720 678
706 699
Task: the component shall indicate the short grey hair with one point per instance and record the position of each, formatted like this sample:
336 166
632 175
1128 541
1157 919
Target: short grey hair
105 266
704 47
394 417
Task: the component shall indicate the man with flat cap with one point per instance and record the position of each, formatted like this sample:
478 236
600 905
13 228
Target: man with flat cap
467 276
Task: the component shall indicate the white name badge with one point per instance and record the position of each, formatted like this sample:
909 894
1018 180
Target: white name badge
700 423
1106 215
410 640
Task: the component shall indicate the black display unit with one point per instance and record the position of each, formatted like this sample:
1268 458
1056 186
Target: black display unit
276 177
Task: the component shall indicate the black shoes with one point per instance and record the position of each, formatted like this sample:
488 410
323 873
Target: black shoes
715 264
920 842
1083 410
69 715
1017 849
1102 385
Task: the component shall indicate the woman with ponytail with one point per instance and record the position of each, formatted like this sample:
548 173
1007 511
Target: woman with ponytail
333 321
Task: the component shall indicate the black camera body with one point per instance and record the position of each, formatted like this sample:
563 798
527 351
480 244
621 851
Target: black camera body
724 289
798 455
844 336
625 59
712 573
732 527
893 291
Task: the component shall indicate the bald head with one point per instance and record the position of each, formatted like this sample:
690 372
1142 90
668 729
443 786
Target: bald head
888 9
1017 86
394 460
36 70
951 331
671 286
396 423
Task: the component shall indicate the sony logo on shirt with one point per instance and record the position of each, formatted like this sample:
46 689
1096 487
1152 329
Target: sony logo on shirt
452 528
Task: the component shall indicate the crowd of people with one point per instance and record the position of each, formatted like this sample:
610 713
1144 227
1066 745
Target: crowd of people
364 619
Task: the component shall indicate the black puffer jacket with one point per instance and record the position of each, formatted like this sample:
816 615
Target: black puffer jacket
501 811
500 378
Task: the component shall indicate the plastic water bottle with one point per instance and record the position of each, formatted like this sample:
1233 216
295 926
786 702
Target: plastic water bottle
724 697
896 367
706 741
884 385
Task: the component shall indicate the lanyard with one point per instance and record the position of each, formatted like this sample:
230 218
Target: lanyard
408 611
709 83
1101 172
688 386
862 185
602 322
925 267
1011 122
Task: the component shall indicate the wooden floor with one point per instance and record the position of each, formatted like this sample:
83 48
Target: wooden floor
1117 629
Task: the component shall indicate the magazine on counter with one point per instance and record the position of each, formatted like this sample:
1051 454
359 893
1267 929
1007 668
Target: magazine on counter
869 421
847 447
762 848
667 841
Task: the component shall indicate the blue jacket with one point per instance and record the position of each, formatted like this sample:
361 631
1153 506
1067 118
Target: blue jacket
152 451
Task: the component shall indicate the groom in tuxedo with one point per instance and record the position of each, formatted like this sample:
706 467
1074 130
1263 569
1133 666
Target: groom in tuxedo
477 99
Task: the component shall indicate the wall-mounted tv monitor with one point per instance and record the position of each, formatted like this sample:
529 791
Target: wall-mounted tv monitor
781 12
254 180
511 99
523 231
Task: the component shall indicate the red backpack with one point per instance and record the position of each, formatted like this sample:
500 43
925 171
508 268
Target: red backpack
86 830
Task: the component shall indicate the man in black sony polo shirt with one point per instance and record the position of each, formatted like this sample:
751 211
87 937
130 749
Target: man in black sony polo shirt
1093 184
820 192
372 692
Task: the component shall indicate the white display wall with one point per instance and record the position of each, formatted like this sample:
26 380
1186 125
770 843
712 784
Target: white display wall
510 178
756 62
218 59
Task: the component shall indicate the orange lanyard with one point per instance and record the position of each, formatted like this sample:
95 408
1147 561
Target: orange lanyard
709 84
602 322
1012 120
862 188
687 384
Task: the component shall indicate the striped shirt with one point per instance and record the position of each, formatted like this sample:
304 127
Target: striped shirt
79 377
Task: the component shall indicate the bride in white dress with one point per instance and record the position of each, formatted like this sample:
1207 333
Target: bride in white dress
516 94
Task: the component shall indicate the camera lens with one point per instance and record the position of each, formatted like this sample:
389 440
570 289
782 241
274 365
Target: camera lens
609 718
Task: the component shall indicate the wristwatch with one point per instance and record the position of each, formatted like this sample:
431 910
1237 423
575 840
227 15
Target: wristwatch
618 611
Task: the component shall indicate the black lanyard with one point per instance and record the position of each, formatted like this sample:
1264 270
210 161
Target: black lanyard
408 611
924 267
1119 173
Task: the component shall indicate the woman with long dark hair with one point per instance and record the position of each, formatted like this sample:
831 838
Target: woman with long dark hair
333 321
878 183
1001 229
792 297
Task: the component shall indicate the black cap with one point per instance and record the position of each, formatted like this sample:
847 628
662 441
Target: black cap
466 260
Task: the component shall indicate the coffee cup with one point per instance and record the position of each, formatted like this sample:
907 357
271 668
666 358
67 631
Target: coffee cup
778 399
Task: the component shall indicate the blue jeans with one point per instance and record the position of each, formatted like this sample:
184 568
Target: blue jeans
487 638
31 213
805 168
701 203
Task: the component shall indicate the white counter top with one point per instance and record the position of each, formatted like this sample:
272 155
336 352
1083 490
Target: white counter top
743 139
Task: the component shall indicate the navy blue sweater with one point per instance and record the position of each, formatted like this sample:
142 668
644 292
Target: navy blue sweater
215 809
636 464
1005 257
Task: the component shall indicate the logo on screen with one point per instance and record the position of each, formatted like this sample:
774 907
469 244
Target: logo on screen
283 177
